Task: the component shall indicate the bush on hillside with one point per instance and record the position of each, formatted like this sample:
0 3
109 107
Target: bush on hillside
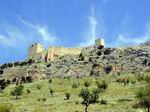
87 83
99 53
50 81
38 86
29 79
48 65
75 85
147 78
17 91
143 96
28 91
107 51
17 63
103 102
30 61
4 66
7 107
102 86
124 80
67 94
51 91
82 58
23 63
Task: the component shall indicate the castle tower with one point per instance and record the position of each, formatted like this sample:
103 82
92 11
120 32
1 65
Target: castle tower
100 42
35 49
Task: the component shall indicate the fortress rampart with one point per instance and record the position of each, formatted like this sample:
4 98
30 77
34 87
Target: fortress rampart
38 53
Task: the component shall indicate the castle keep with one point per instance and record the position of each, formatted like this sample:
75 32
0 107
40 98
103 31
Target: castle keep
38 53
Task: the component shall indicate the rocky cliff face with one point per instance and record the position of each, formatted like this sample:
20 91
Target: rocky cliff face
91 62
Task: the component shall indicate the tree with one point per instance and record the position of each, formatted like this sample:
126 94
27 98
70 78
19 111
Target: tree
143 96
85 94
89 97
18 91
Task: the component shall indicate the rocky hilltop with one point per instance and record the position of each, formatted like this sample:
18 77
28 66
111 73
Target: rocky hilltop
92 61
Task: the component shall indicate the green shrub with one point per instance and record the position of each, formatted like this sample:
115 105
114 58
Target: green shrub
75 85
124 100
102 86
4 66
23 63
48 65
147 78
30 61
9 64
103 102
51 91
39 86
82 58
43 99
29 79
87 83
17 91
67 94
80 55
39 99
99 53
95 95
28 91
124 80
50 81
133 81
143 95
140 78
77 102
6 107
67 77
17 63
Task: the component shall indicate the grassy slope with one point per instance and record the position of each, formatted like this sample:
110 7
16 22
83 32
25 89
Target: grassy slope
116 95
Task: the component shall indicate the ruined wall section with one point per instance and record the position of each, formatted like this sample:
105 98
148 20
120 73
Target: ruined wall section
56 52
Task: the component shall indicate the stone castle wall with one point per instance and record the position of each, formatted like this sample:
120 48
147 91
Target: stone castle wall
71 51
55 52
37 52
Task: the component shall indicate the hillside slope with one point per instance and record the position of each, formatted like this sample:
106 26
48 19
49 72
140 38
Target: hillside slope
92 61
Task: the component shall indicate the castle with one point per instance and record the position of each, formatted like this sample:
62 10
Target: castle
38 53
